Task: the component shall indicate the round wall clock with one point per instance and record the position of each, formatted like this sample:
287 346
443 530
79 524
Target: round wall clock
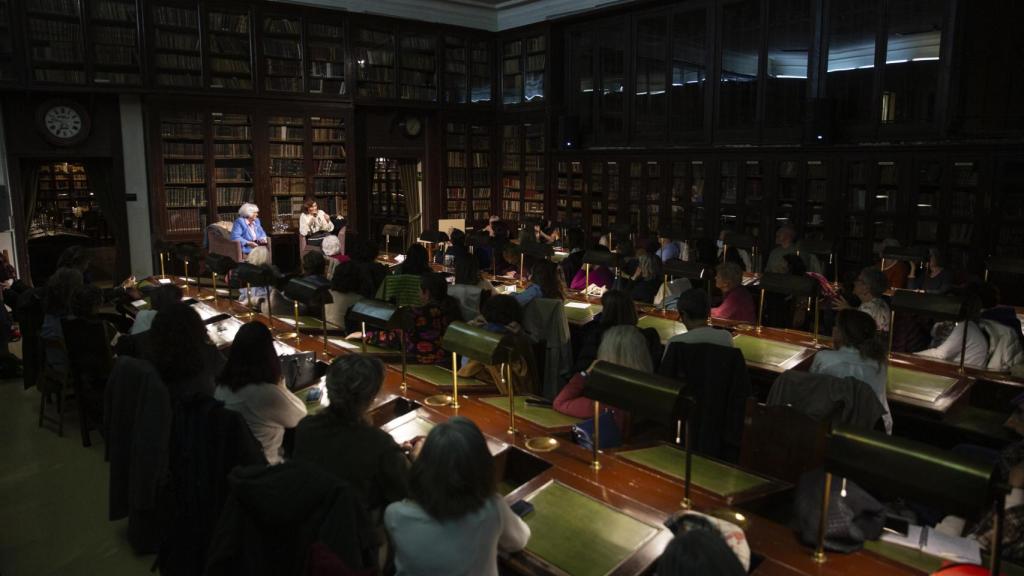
62 122
413 126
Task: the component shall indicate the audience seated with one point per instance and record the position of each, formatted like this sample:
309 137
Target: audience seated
896 271
371 273
180 349
937 279
574 261
160 298
430 318
454 521
693 310
251 385
503 315
699 548
948 339
469 288
869 287
737 303
599 275
617 310
622 345
456 248
545 282
785 240
859 353
331 248
403 287
646 278
738 256
345 293
341 441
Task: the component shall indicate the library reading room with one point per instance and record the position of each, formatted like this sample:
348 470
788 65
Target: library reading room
511 287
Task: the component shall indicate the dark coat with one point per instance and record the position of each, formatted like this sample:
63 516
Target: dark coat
823 397
274 515
717 378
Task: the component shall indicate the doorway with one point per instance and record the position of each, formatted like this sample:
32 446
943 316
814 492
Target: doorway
396 198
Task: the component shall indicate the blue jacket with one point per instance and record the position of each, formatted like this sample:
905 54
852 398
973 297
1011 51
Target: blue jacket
240 231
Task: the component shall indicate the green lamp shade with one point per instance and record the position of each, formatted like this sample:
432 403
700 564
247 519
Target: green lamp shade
817 246
476 343
802 286
938 306
911 253
534 250
899 467
308 293
379 314
649 395
602 258
254 275
734 240
680 269
393 230
1005 265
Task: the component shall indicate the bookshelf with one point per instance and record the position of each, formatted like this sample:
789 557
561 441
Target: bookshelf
233 163
523 173
115 46
183 169
417 77
375 63
534 172
330 175
456 70
965 202
603 197
54 34
569 192
229 49
176 46
282 54
325 53
480 207
887 211
8 70
927 203
1009 194
479 71
523 67
387 199
65 199
687 208
512 173
816 202
286 137
456 146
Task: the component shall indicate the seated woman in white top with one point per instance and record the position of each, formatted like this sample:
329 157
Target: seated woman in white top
313 219
976 351
453 522
869 286
859 353
251 385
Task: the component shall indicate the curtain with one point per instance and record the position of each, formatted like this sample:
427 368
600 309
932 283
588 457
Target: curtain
30 186
115 213
408 171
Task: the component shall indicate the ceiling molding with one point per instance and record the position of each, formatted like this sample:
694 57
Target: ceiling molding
492 15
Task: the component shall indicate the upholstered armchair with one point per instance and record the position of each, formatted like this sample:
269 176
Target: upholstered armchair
218 241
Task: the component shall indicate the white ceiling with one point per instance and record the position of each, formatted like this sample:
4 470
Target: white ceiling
493 15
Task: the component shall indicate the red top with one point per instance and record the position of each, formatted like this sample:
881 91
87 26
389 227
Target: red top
737 305
570 401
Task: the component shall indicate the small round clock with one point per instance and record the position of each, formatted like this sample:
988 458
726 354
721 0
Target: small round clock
413 126
63 123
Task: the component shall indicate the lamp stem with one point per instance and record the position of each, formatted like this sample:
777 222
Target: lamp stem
817 318
664 293
522 273
687 503
248 292
295 308
963 346
401 342
596 464
324 310
163 274
214 278
892 329
186 276
455 381
586 283
506 368
819 553
363 332
760 309
997 534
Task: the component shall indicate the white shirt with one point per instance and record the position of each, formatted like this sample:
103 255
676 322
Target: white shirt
466 546
268 409
702 335
847 362
976 353
878 310
317 223
143 320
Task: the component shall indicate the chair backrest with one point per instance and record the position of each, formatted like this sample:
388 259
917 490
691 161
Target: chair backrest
781 442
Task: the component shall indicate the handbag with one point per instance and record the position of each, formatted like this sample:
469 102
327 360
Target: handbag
611 436
299 370
854 516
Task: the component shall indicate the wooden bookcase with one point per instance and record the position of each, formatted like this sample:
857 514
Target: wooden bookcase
234 163
374 55
417 72
56 43
281 50
115 44
523 69
325 52
176 44
524 172
570 192
63 193
456 198
229 54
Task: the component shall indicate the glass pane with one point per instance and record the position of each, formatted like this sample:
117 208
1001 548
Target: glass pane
512 72
741 38
851 59
583 82
689 73
418 79
480 69
326 56
912 61
229 50
651 100
455 70
613 82
375 64
536 62
282 54
789 39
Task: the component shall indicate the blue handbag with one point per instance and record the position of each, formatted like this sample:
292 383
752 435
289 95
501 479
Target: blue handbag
611 436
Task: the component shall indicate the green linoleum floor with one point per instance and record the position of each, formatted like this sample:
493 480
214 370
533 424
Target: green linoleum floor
53 498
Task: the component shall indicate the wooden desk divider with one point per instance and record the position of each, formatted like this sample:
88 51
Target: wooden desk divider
655 397
934 477
802 286
937 306
382 316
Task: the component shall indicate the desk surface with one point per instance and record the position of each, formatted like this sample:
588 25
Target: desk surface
620 484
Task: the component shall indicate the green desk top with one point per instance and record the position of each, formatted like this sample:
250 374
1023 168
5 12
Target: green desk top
666 327
355 346
580 312
764 351
918 385
580 535
441 377
715 477
305 322
311 407
539 415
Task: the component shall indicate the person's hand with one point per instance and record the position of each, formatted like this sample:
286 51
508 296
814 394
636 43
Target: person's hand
250 244
413 447
261 241
129 282
840 303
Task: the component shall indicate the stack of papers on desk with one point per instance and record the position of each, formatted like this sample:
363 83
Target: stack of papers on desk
222 333
930 541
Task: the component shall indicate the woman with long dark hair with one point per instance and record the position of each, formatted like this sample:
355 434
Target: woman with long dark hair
403 287
453 521
251 385
178 346
859 353
546 281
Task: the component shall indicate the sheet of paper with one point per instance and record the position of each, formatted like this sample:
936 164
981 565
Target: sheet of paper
577 305
911 540
164 280
284 349
954 548
344 343
139 303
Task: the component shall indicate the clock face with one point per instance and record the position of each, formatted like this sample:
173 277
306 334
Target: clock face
413 126
63 122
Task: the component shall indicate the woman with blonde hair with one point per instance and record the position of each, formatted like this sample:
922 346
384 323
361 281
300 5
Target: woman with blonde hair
624 345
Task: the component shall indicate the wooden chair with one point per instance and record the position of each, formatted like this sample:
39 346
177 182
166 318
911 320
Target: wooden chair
91 360
52 382
781 442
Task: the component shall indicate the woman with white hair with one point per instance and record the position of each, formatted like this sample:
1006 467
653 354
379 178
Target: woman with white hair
248 230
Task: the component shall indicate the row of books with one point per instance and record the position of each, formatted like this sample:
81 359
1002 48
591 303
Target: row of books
53 30
283 83
229 45
328 168
231 83
126 78
222 22
62 52
325 30
175 16
286 133
185 197
238 150
286 151
376 74
328 134
182 149
107 55
63 7
376 90
282 26
234 195
329 186
276 67
115 10
291 167
417 61
176 41
185 173
281 48
287 186
186 220
424 43
328 151
232 174
179 80
229 66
